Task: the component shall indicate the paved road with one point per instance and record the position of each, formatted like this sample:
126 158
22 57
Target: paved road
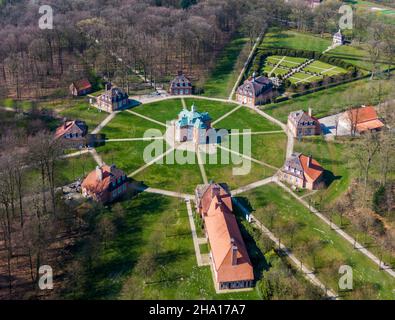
346 236
201 166
168 193
96 156
75 154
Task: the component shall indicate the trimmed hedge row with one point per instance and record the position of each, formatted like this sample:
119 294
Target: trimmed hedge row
262 54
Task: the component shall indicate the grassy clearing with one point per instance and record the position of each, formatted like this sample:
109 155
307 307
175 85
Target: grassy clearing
222 79
127 156
333 100
162 111
113 273
215 109
269 148
245 118
333 157
318 246
175 177
296 40
126 125
222 171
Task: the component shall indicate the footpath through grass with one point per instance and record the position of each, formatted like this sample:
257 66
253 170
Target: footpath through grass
317 245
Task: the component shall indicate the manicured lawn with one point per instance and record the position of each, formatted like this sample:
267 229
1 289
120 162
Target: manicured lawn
126 155
269 148
215 109
67 171
331 252
174 177
223 77
162 111
336 99
113 273
222 170
92 116
295 40
333 157
324 68
245 118
127 125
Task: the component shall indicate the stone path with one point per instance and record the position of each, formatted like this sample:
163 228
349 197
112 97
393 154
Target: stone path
248 157
226 115
253 185
147 118
104 122
194 235
97 157
201 166
276 66
346 236
134 139
75 154
151 162
253 133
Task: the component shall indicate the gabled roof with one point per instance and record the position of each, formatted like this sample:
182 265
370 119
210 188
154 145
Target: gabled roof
82 84
365 118
181 79
223 233
313 171
71 126
299 162
113 94
301 116
255 86
110 174
205 194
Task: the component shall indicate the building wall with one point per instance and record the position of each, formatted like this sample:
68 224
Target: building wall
248 283
292 180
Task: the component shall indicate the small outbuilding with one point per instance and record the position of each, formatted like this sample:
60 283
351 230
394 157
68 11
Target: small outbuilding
80 87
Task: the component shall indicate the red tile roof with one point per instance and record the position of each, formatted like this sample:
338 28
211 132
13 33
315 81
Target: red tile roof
82 84
109 175
313 171
68 126
223 233
365 118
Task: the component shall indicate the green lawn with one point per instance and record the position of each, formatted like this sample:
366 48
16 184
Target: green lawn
331 251
223 77
174 177
162 111
126 155
333 157
269 148
222 171
113 274
127 125
330 101
215 109
245 118
81 110
277 38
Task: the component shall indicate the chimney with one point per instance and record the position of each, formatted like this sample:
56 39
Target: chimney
234 251
112 168
64 123
310 112
99 173
309 161
215 191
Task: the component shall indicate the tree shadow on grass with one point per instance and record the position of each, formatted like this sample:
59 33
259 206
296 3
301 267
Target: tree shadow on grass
329 177
257 258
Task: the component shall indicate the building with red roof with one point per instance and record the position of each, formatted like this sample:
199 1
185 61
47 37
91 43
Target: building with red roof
301 123
105 184
80 87
73 133
255 91
302 172
230 262
361 120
